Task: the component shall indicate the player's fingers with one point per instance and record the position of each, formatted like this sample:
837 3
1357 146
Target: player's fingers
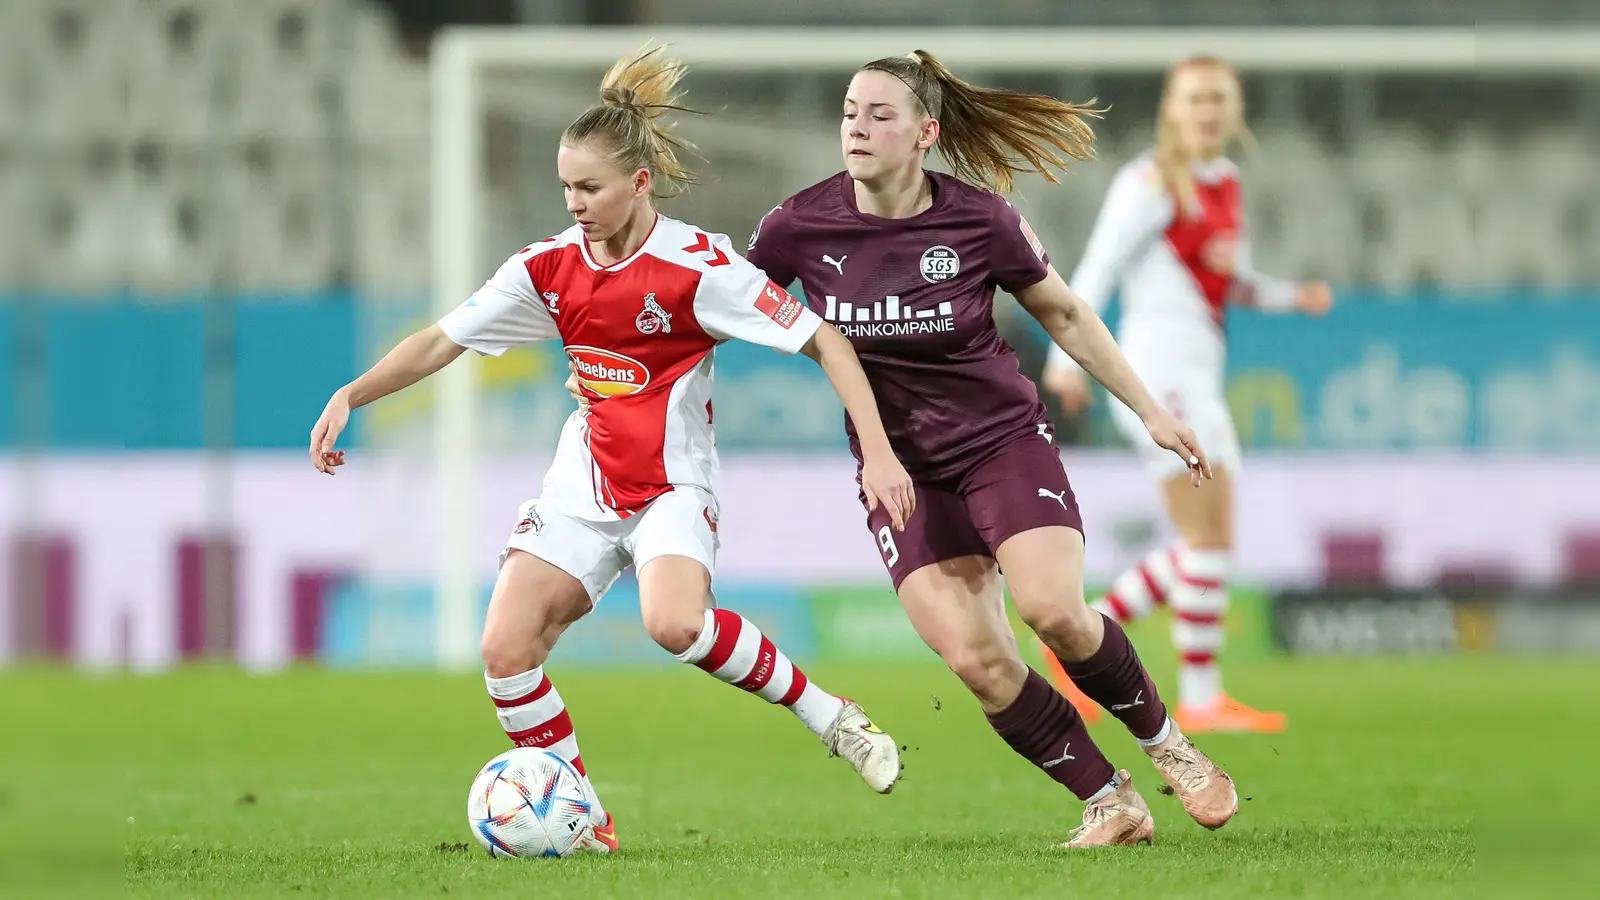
897 510
316 443
1197 456
872 498
911 500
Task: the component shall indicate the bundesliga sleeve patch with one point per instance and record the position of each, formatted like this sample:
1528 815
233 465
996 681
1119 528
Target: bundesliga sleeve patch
1033 239
777 304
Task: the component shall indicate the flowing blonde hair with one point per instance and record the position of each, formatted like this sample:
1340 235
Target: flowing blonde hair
630 121
988 135
1172 159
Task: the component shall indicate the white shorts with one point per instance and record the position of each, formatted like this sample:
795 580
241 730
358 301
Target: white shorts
1201 405
682 523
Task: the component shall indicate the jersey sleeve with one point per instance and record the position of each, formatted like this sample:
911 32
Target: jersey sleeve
768 248
1016 255
737 301
1136 211
505 313
1264 292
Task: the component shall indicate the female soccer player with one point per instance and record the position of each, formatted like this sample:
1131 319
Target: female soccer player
906 262
640 302
1169 237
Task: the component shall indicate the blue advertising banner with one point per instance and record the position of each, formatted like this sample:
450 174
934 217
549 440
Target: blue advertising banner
1378 373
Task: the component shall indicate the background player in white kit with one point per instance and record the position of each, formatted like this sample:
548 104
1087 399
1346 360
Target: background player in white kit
640 301
1169 240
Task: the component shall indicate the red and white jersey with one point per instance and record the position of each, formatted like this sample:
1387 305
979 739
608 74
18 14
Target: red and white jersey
1175 274
641 334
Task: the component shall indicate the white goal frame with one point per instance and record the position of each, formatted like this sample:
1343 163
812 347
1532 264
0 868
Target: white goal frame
461 54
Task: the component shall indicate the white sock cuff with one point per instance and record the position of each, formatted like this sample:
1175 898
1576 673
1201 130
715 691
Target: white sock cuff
1163 734
514 686
1113 784
702 644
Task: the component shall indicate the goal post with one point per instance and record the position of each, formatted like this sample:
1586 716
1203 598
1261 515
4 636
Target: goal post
464 58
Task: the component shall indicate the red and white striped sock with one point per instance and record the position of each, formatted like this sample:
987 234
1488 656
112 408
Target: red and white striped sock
532 714
1199 600
1137 592
734 650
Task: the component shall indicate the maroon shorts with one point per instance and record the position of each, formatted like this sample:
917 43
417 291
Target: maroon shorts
1019 487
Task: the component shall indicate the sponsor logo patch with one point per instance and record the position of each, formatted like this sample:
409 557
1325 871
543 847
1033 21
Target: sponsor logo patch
606 373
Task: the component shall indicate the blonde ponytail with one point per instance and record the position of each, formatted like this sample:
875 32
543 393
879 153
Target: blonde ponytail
987 135
630 122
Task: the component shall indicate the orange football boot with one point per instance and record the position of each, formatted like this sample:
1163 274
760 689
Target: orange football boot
1228 715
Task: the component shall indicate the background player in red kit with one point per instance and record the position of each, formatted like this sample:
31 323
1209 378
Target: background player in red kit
1170 241
640 302
906 262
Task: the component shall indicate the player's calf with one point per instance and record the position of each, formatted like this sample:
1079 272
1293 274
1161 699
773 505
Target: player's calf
733 650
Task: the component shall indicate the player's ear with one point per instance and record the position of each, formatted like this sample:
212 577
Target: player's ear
641 183
929 135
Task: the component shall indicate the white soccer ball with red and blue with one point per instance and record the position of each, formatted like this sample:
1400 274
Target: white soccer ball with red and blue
529 802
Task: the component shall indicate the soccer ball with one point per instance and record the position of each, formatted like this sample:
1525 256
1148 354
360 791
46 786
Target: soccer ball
529 802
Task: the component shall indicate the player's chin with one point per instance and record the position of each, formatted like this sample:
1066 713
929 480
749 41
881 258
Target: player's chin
597 231
860 166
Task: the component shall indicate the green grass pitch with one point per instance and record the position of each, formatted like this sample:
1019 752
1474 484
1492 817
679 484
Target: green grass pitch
213 783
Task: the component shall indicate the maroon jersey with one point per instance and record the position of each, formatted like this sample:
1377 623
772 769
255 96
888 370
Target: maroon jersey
916 298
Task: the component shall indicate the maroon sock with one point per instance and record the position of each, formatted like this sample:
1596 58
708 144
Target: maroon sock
1042 726
1115 678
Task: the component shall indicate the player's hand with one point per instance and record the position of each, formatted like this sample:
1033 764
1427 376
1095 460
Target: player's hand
1071 387
335 416
1315 298
1168 432
884 480
576 391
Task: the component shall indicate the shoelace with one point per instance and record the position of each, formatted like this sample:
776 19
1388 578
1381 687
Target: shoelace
1186 765
858 747
1093 818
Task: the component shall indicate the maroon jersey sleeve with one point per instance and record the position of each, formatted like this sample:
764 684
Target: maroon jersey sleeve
1016 256
768 246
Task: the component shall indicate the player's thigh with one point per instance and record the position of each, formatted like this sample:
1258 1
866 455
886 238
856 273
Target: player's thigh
1202 515
552 571
673 544
1044 572
958 609
938 530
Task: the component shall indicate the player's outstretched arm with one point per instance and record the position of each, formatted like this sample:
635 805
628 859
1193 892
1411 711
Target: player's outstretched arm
412 360
1075 328
883 478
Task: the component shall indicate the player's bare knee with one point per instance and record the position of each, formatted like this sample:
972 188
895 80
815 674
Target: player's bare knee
1063 615
503 658
674 632
986 669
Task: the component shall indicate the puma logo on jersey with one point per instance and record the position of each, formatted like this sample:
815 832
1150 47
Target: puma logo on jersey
838 264
654 318
1060 498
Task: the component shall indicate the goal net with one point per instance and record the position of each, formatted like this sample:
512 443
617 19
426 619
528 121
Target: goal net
501 97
